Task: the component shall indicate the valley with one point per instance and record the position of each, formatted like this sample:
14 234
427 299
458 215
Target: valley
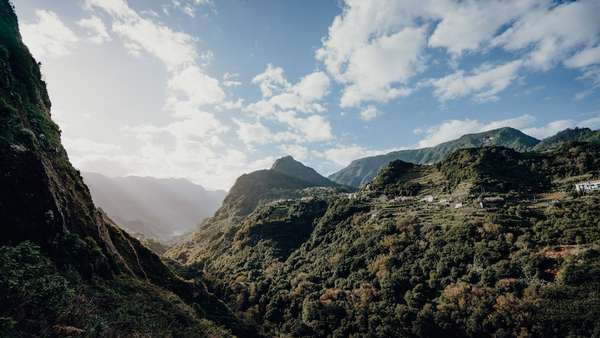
493 234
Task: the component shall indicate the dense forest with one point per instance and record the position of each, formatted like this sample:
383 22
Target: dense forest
489 242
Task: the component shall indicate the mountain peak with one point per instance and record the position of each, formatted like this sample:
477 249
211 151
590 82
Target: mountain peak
286 161
287 165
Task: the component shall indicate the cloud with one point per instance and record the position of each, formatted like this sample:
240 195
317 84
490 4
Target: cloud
189 7
48 37
469 26
79 146
230 80
314 127
198 88
552 32
454 129
372 69
369 113
549 129
96 29
484 83
271 80
189 88
282 102
584 58
342 155
299 152
378 49
279 94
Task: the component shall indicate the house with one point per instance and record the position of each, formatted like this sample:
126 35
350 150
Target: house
490 202
428 199
458 205
587 186
400 199
444 201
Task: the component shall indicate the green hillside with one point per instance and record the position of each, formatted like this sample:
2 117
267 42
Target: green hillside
387 262
363 170
568 135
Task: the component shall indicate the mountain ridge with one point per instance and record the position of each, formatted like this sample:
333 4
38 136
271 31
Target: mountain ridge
158 208
361 171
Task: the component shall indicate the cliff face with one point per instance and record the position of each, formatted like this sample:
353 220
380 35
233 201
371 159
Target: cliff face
43 197
45 205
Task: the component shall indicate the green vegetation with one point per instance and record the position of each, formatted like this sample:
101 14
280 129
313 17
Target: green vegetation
568 135
362 171
374 266
40 300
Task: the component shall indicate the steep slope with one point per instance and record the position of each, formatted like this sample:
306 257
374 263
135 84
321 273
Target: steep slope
414 255
363 170
568 135
152 207
64 265
290 167
288 179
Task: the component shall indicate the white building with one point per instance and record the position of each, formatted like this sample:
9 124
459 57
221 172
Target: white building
427 199
587 186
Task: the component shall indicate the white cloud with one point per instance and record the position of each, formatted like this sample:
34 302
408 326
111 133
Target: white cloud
592 74
253 133
592 123
342 155
454 129
197 87
377 69
377 48
314 127
48 37
299 152
549 129
271 80
230 80
83 146
369 113
484 83
189 7
188 88
553 32
279 94
174 49
584 58
468 26
96 29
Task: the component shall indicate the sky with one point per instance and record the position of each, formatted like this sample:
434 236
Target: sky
211 89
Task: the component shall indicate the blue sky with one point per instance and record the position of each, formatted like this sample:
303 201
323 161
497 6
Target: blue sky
210 89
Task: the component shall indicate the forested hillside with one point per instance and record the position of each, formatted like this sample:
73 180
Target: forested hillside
362 171
489 242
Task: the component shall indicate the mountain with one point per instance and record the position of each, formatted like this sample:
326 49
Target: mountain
287 180
155 208
568 135
488 242
65 268
289 166
363 170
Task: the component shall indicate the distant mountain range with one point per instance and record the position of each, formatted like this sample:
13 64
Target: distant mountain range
153 207
362 171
